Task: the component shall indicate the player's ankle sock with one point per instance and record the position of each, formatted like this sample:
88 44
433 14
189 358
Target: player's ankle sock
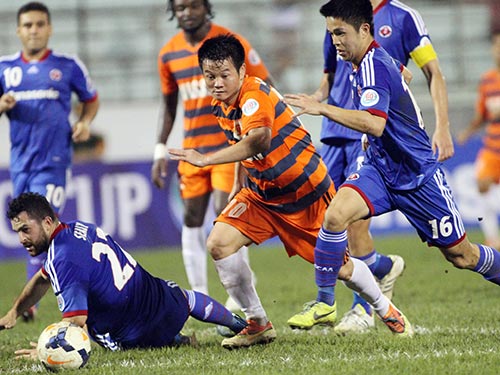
489 264
328 258
206 309
358 300
379 264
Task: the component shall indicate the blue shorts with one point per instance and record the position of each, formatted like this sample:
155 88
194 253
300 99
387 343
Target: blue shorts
50 183
342 158
430 209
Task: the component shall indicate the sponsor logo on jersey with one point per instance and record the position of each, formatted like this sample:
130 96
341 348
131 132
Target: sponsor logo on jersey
353 177
35 94
55 75
369 98
250 107
385 31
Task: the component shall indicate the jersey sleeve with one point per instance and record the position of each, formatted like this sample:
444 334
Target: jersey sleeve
329 54
417 41
70 278
257 111
168 84
255 65
81 83
375 92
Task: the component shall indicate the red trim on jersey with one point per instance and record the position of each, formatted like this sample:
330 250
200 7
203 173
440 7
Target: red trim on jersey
70 314
383 3
377 112
360 192
59 228
45 55
93 99
430 244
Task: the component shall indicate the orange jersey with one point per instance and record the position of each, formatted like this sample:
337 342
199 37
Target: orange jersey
289 176
488 105
179 71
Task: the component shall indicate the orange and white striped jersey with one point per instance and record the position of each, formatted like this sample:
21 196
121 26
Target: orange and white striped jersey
290 175
179 71
488 104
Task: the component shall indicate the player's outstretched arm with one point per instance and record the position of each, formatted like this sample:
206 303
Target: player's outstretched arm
257 140
34 290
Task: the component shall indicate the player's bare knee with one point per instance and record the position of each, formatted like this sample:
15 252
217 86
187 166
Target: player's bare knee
334 221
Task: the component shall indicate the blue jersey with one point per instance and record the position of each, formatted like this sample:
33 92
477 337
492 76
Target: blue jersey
403 154
399 29
126 307
403 34
40 132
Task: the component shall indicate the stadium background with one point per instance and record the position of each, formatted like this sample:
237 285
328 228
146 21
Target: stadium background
119 42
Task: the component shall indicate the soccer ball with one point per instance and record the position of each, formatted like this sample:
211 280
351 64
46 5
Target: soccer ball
63 345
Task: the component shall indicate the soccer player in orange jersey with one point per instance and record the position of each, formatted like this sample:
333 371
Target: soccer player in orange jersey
282 189
180 76
488 160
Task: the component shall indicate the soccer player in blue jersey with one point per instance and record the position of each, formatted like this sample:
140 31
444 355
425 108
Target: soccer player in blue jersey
400 172
403 34
36 85
100 286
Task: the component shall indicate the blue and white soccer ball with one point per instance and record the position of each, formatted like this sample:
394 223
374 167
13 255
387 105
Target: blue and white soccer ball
63 345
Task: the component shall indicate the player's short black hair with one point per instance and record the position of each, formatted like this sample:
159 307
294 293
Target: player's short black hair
35 205
353 12
220 48
206 3
33 6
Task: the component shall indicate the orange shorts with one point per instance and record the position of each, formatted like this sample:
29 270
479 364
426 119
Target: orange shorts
488 166
297 231
195 181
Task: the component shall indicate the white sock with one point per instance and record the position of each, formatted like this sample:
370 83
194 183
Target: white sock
236 277
489 222
194 254
363 282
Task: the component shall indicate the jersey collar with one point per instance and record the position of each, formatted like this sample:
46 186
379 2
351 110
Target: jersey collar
59 228
44 57
383 3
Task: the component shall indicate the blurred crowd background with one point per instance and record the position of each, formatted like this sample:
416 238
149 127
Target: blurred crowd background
119 42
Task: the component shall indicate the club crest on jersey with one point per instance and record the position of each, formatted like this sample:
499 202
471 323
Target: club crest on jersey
253 57
369 98
353 176
250 107
55 75
60 302
385 31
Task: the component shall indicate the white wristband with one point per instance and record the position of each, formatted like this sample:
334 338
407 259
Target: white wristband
160 151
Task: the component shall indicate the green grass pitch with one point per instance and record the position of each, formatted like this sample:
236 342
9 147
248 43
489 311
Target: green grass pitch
455 314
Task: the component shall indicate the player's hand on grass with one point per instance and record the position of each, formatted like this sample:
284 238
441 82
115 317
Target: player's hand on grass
9 320
29 354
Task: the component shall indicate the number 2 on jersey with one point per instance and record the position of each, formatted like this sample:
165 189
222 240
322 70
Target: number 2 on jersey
120 275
